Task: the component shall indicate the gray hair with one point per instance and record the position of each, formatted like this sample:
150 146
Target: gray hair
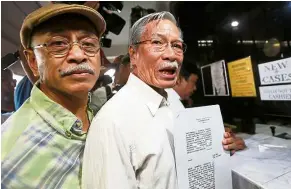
138 28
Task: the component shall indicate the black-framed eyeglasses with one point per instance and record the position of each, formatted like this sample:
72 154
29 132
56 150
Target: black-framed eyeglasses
60 46
159 45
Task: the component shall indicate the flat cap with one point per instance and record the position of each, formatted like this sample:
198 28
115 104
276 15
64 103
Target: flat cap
52 10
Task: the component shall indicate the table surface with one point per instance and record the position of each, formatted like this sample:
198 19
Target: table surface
266 162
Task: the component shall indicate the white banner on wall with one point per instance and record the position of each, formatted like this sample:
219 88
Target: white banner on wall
214 79
275 72
276 93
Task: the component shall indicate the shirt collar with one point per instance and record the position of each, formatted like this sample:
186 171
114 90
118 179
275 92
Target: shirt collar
149 96
61 119
172 94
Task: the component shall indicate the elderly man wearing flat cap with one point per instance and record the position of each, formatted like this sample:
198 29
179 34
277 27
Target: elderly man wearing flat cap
43 142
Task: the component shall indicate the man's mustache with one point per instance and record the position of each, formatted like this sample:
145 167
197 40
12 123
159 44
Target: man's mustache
85 67
167 64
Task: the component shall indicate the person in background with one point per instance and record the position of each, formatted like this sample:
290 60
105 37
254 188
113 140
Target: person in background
7 91
186 84
24 87
122 73
43 141
101 93
7 94
22 92
104 90
107 84
116 62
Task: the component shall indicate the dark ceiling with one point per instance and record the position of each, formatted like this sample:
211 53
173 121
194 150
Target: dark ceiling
200 19
212 21
259 24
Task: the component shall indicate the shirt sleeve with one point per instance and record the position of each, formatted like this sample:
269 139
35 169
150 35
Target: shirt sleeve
106 163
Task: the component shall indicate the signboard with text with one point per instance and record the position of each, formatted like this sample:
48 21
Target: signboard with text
276 93
242 78
275 72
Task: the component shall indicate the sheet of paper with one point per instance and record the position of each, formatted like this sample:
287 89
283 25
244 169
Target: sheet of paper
201 161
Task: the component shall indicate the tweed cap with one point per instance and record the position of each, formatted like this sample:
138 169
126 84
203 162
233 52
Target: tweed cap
52 10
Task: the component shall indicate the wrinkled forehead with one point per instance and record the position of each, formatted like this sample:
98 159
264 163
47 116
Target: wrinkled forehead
161 28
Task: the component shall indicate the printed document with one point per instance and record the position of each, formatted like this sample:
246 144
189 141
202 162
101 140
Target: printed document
201 161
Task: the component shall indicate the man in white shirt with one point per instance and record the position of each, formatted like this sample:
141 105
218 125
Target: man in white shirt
130 141
128 145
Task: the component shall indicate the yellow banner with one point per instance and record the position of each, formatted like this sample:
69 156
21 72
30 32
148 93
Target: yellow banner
242 78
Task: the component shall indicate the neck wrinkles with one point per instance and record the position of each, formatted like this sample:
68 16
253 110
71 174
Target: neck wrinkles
76 105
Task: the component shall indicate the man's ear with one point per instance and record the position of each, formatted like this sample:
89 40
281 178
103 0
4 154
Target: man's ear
31 61
132 55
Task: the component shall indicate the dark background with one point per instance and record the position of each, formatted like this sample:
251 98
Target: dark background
258 21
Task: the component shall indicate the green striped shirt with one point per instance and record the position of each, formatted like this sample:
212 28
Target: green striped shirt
42 146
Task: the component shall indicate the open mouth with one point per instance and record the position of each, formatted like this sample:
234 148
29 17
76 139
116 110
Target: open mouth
168 72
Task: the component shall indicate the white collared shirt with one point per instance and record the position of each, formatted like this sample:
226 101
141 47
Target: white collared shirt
130 142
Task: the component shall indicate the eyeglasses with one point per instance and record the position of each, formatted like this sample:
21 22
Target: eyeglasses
60 46
161 45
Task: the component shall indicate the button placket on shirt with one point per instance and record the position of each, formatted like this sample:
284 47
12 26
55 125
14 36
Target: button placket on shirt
77 128
68 134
